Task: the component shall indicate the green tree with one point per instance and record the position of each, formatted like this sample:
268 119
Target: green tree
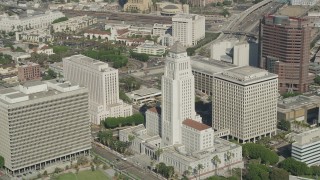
60 20
124 97
256 151
50 75
295 167
317 79
216 161
315 170
199 168
82 160
277 173
139 56
257 172
227 2
1 162
284 125
45 173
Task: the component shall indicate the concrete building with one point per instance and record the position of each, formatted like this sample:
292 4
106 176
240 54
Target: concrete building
103 84
149 47
235 52
170 9
306 147
43 123
141 6
31 21
299 108
166 40
29 71
144 95
153 125
188 29
184 140
245 102
303 2
74 24
42 49
285 47
35 36
178 95
18 57
204 69
161 29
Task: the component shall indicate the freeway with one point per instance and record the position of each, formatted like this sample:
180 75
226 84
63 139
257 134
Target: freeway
123 165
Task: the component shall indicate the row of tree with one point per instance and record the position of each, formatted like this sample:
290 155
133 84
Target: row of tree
60 20
1 162
106 138
164 170
208 38
113 56
113 122
263 172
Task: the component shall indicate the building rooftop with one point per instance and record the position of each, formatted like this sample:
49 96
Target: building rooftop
143 93
186 16
209 66
297 102
195 125
246 75
155 110
35 90
177 48
307 137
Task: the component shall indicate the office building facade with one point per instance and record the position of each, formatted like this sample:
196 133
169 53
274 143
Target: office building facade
245 103
188 29
103 84
43 123
285 45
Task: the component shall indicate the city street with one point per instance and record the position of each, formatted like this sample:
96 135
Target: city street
123 165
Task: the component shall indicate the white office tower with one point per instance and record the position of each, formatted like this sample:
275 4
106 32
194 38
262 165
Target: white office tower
42 123
103 84
245 103
188 29
177 94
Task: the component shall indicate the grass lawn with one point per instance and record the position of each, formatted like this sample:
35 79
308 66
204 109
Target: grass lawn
84 175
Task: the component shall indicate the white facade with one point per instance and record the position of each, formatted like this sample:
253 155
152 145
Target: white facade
35 36
188 29
43 123
166 40
74 24
103 84
32 21
149 47
177 87
303 2
245 102
196 136
307 147
185 141
153 121
161 29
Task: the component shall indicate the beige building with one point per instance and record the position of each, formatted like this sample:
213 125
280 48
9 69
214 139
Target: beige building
35 36
138 6
188 29
103 84
153 125
245 102
43 123
299 108
161 29
74 24
204 69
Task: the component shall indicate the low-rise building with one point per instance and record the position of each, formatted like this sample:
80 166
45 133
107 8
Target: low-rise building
171 9
299 108
17 56
74 24
303 2
149 47
29 71
161 29
144 95
306 147
43 49
33 20
35 36
166 40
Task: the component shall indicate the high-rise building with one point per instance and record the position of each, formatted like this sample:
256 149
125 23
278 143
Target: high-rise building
188 29
43 123
177 87
245 103
30 71
185 141
103 84
285 45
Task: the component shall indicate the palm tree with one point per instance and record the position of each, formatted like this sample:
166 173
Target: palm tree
216 161
199 167
228 156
